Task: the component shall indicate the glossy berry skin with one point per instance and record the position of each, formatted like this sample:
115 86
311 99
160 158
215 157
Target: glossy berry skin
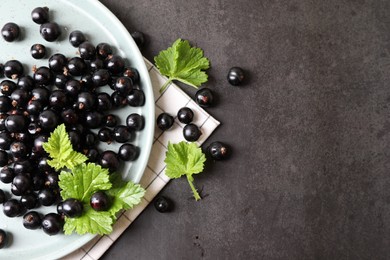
101 77
109 160
12 208
218 151
16 123
135 122
76 66
185 115
43 76
163 204
52 223
100 201
40 15
191 132
76 38
87 50
103 50
46 197
123 85
131 73
10 32
115 64
3 239
29 201
57 62
50 31
204 97
13 69
72 208
136 98
164 121
22 183
128 152
236 76
38 51
121 134
32 220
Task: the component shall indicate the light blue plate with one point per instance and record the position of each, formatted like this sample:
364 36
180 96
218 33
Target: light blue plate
99 25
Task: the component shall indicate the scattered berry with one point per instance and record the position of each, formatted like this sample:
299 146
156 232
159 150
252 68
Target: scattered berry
32 220
38 51
40 15
164 121
52 223
100 201
163 204
204 97
218 151
236 76
10 32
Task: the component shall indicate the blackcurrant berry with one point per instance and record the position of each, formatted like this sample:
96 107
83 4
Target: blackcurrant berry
164 121
32 220
52 223
185 115
100 201
103 50
87 50
50 31
191 132
163 204
128 152
236 76
218 151
12 208
76 38
10 32
204 97
72 208
38 51
13 69
109 160
40 15
135 122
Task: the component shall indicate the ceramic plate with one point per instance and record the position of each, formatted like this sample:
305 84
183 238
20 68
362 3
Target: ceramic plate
99 25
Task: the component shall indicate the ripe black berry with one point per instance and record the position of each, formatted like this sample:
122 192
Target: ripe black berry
99 201
185 115
204 97
218 151
191 132
10 32
164 121
52 223
109 160
76 38
128 152
13 69
12 208
38 51
135 122
236 76
72 208
163 204
40 15
87 50
50 31
32 220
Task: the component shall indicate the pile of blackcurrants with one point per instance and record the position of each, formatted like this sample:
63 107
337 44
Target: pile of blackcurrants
68 91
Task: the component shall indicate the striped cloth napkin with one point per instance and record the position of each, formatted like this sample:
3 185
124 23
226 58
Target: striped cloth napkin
154 178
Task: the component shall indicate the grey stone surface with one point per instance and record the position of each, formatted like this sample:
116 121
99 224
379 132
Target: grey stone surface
309 178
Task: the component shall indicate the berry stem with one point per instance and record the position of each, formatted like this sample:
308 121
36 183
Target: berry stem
190 180
162 89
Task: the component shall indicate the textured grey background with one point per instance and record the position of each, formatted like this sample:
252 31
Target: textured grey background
309 178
